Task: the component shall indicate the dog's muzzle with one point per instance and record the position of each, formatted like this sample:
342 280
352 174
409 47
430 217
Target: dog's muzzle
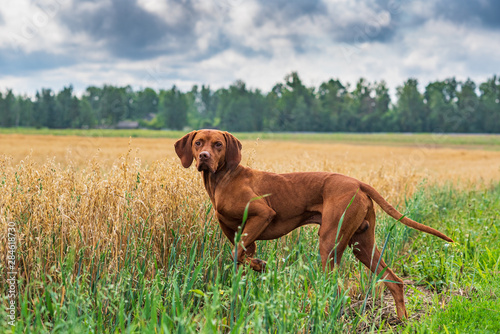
205 162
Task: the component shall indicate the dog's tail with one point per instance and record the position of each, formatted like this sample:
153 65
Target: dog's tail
391 211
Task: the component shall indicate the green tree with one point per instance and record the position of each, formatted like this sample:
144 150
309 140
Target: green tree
445 106
381 118
302 105
489 107
234 108
441 99
66 113
468 104
332 97
86 117
240 109
173 109
362 107
44 108
260 107
24 115
279 117
7 109
295 107
410 108
114 104
93 96
205 104
146 103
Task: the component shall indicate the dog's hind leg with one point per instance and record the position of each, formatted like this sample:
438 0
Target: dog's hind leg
364 248
335 231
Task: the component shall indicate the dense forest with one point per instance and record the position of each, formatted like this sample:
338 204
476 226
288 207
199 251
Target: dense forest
444 106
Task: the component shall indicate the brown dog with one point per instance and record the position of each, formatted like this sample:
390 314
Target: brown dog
296 199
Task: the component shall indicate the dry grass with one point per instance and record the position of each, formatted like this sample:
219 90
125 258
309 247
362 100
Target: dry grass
361 161
97 195
59 207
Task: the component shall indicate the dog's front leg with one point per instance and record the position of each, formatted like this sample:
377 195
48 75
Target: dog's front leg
260 215
229 233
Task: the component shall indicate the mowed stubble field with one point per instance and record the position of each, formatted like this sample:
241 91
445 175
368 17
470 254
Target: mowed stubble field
91 202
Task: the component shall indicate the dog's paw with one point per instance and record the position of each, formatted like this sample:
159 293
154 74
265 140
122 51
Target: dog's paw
258 265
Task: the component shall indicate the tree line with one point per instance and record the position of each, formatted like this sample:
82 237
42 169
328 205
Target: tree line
443 106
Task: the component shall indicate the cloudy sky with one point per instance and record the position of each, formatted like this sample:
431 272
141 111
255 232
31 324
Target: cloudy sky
159 43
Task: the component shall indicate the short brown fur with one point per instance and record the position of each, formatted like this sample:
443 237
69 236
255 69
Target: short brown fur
296 199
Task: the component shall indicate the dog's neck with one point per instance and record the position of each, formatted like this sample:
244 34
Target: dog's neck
214 180
210 182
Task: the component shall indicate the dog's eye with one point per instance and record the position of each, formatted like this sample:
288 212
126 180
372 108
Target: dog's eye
197 143
218 144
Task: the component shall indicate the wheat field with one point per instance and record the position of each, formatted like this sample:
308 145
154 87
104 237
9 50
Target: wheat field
92 198
85 192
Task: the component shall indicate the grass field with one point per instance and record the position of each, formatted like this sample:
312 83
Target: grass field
113 235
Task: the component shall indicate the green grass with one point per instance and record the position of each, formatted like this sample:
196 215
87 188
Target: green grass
200 290
484 141
468 271
94 132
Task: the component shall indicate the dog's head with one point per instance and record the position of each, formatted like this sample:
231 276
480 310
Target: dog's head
213 150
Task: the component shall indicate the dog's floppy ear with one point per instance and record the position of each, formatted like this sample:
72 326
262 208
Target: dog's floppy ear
184 150
233 150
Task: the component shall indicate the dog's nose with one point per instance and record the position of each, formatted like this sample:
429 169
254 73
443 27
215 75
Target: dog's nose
204 155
